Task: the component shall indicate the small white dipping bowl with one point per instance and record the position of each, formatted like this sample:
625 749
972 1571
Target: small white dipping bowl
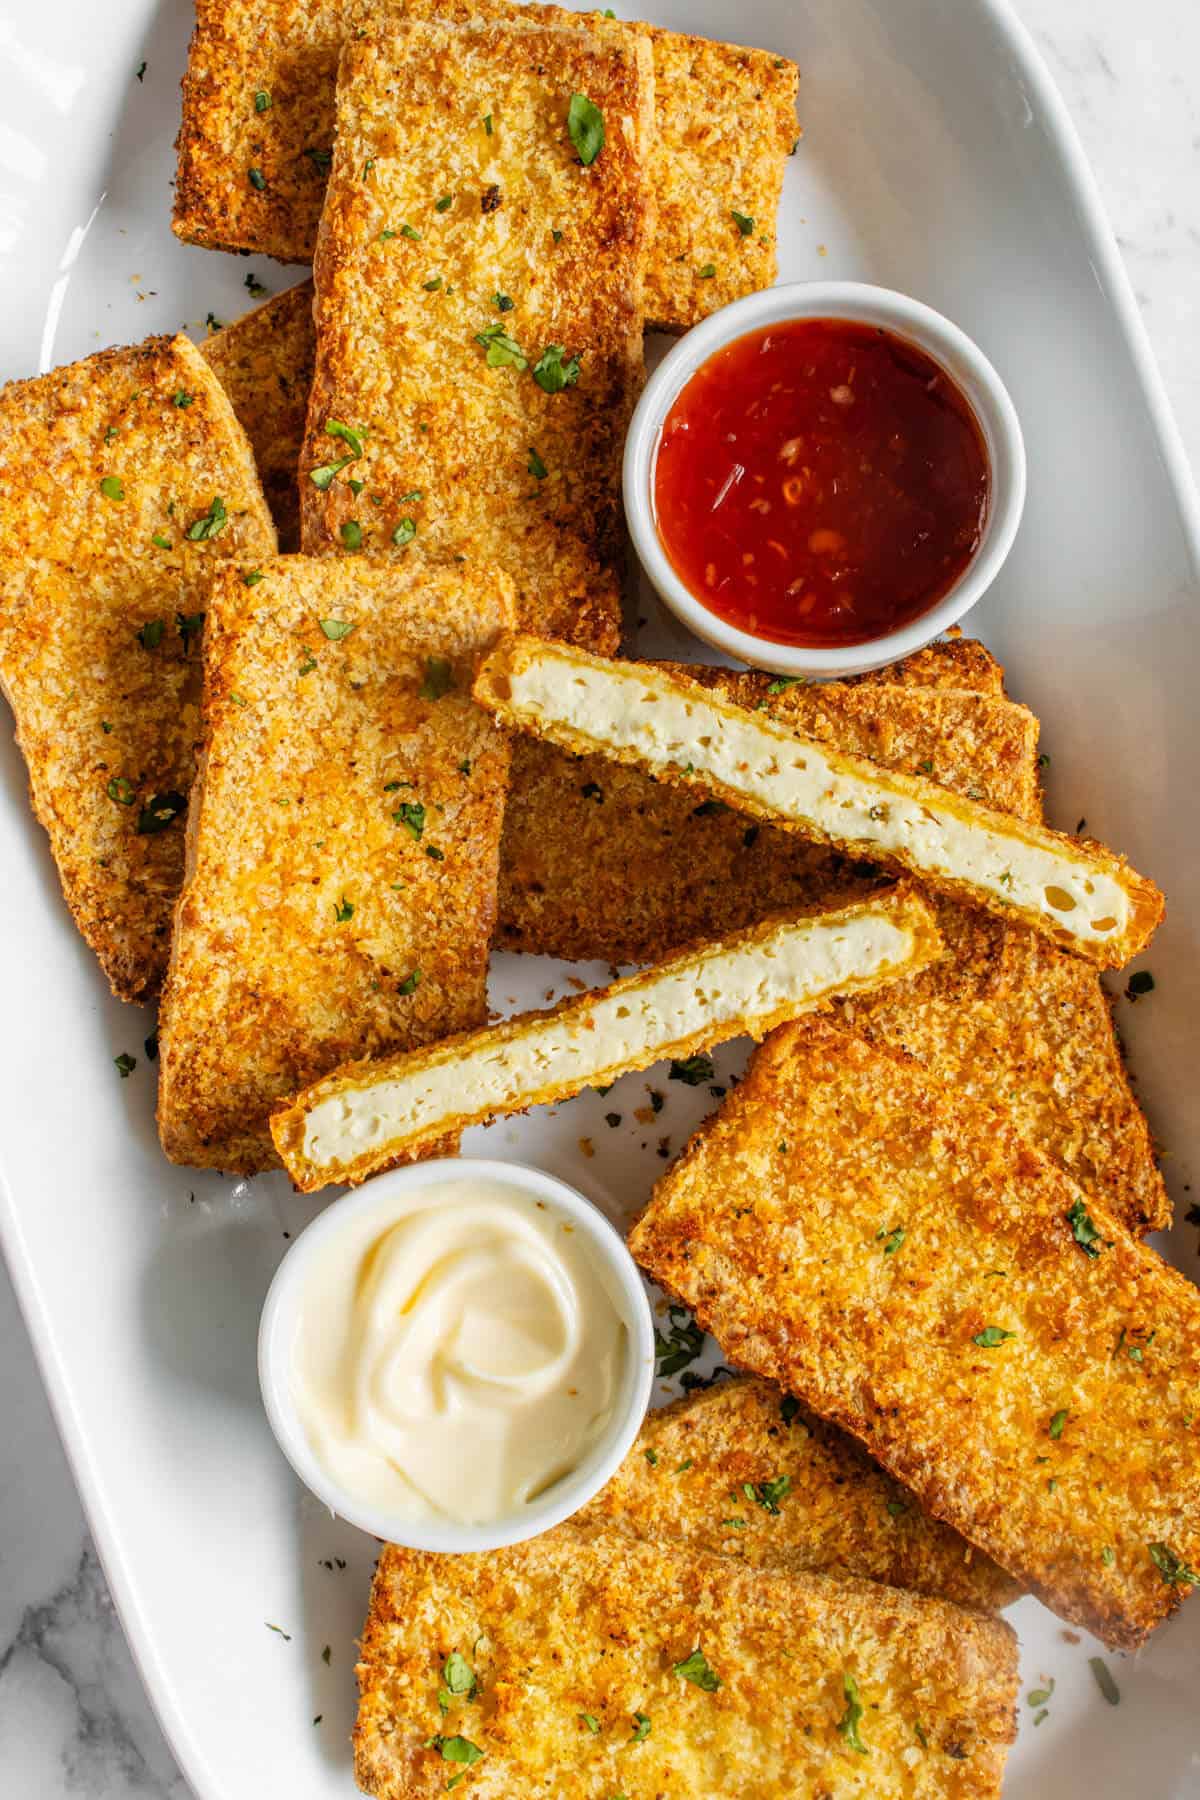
282 1321
962 359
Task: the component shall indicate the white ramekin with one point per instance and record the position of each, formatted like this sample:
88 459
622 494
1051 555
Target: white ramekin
920 325
282 1320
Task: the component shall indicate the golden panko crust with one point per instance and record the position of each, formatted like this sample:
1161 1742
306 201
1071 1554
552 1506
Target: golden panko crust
264 362
916 1274
259 95
576 1645
343 840
123 477
741 1470
452 173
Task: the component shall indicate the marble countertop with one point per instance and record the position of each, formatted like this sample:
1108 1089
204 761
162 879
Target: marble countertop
73 1718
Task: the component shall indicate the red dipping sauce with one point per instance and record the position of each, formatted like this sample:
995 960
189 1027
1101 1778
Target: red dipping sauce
820 482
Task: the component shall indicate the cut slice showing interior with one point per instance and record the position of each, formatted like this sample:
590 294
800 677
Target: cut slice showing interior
369 1116
1077 892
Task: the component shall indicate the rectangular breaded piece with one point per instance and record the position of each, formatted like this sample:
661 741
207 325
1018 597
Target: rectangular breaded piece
264 362
123 477
343 840
1077 892
362 1119
604 1666
490 381
259 95
600 860
916 1274
739 1469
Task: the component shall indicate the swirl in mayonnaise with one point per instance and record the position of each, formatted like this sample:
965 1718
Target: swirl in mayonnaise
458 1353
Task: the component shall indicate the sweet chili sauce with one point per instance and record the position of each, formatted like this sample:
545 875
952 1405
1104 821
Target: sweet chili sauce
820 482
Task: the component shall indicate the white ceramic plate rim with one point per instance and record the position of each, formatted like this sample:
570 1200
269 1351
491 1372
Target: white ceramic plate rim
165 1697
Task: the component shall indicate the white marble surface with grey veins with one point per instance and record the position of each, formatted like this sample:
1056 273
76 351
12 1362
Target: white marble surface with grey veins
73 1718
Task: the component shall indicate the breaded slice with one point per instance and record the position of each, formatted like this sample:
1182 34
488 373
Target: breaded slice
1074 890
600 860
122 476
602 1666
343 841
259 94
953 661
464 450
916 1274
264 361
741 1470
369 1117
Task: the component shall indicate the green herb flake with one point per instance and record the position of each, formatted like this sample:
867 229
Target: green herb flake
459 1676
1040 1696
684 1466
140 71
1057 1423
502 303
411 814
306 667
892 1240
652 1458
707 272
410 232
106 725
326 1654
120 789
1083 1230
257 179
849 1722
591 1721
693 1070
503 352
733 1524
125 1064
1104 1680
337 629
351 534
210 524
320 159
190 626
182 399
896 1509
344 910
768 1494
682 1344
112 488
150 635
990 1336
405 532
487 123
1108 1556
552 373
557 236
585 128
697 1669
782 682
919 1734
434 854
279 1631
161 811
322 478
410 984
535 466
744 223
161 540
455 1749
255 288
1173 1569
641 1728
439 678
262 101
444 203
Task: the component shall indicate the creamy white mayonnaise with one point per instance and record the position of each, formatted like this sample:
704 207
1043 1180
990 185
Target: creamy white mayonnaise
458 1352
750 754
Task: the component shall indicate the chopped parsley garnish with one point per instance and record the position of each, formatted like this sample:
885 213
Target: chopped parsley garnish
1058 1422
536 466
783 682
254 287
444 204
455 1749
163 808
126 1064
410 231
550 371
257 179
557 236
209 524
322 478
140 71
744 223
1173 1569
410 984
682 1344
121 790
211 323
693 1070
487 123
1139 983
892 1240
405 532
990 1336
1104 1680
321 159
431 287
641 1728
502 303
768 1494
434 854
150 635
707 272
697 1669
502 351
337 629
591 1721
351 534
411 814
161 540
182 399
349 434
849 1722
252 577
262 101
439 678
190 625
585 128
309 663
459 1677
651 1457
343 910
112 488
1083 1230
